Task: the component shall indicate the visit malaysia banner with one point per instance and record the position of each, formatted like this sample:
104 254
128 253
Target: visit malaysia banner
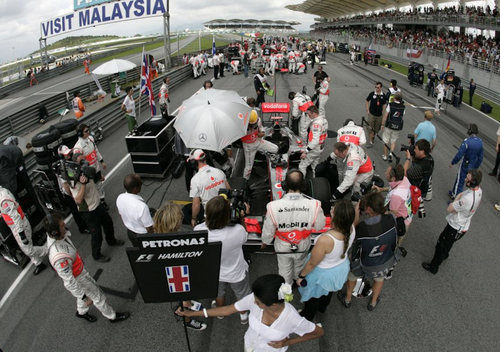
106 13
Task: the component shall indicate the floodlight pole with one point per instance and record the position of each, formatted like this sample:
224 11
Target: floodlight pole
166 35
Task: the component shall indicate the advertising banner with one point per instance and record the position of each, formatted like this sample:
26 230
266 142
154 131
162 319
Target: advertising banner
110 12
81 4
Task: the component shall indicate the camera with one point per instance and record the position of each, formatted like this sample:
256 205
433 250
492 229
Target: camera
237 199
411 146
71 171
366 187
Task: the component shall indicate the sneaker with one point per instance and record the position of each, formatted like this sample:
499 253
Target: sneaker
196 325
341 298
497 206
384 157
102 259
371 306
493 173
88 317
389 158
244 318
120 317
389 275
214 305
39 268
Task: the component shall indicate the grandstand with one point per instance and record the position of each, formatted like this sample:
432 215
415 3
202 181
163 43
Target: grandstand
251 25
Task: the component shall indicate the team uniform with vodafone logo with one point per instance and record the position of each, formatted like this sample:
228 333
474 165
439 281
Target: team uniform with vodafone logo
358 169
68 264
291 62
318 132
300 104
291 220
195 63
351 134
88 148
253 143
14 217
324 93
206 183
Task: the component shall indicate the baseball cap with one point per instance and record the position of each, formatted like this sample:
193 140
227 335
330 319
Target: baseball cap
197 154
63 150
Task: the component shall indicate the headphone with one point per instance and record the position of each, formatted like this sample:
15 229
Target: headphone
284 186
79 130
472 129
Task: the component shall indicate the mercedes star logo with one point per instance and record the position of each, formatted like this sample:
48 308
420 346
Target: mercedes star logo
202 137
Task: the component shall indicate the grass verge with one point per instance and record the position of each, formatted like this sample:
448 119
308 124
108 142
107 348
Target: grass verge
476 99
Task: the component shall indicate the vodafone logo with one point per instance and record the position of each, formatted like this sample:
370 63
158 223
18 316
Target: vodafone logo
212 178
278 185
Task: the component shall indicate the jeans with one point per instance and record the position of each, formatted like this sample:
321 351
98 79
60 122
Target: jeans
245 70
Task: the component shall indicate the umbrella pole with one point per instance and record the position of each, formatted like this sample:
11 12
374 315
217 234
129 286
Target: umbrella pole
140 92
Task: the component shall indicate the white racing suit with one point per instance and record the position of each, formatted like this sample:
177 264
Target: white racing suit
351 134
195 63
291 62
14 217
324 92
163 99
300 104
272 64
203 64
318 132
291 220
66 261
253 143
358 169
88 148
234 66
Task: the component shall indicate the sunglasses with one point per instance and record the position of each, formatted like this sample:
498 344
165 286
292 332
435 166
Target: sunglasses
86 130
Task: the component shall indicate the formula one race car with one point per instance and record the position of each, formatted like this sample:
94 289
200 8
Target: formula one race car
269 171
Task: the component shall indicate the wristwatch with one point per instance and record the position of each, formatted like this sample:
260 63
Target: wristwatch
301 277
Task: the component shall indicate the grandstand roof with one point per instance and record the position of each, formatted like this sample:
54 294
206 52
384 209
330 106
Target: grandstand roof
237 20
340 8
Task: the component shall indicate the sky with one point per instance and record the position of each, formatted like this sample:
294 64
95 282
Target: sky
21 19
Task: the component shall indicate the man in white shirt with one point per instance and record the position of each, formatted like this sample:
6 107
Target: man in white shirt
133 209
459 217
440 89
128 107
205 184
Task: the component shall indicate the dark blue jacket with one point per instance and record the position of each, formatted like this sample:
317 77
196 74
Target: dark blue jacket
471 150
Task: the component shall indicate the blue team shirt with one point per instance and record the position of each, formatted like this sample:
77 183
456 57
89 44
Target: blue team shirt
426 130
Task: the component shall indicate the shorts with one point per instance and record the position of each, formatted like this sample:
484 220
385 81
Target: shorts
352 277
390 136
240 289
375 122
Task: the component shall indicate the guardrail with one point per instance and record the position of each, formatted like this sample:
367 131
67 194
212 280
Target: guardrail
43 76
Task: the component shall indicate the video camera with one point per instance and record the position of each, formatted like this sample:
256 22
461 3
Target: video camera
71 171
411 147
366 187
237 199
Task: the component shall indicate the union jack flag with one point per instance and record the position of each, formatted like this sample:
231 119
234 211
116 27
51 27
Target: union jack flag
146 87
178 278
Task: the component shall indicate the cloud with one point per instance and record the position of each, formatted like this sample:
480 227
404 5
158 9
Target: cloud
21 19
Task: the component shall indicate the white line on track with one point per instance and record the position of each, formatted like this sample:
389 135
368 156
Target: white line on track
21 276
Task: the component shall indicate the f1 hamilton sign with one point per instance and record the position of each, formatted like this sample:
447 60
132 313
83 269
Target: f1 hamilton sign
104 13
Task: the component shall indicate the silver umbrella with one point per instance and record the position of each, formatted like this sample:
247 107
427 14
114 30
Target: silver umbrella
212 119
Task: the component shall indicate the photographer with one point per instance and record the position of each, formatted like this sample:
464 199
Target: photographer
68 264
458 219
374 249
233 267
419 165
204 186
290 221
86 196
398 199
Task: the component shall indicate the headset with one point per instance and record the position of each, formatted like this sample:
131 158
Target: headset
347 121
284 186
472 129
79 130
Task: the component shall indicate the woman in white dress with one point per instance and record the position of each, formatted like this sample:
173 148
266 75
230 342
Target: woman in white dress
271 320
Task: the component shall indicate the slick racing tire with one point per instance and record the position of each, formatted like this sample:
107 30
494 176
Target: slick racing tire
319 188
67 128
46 142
